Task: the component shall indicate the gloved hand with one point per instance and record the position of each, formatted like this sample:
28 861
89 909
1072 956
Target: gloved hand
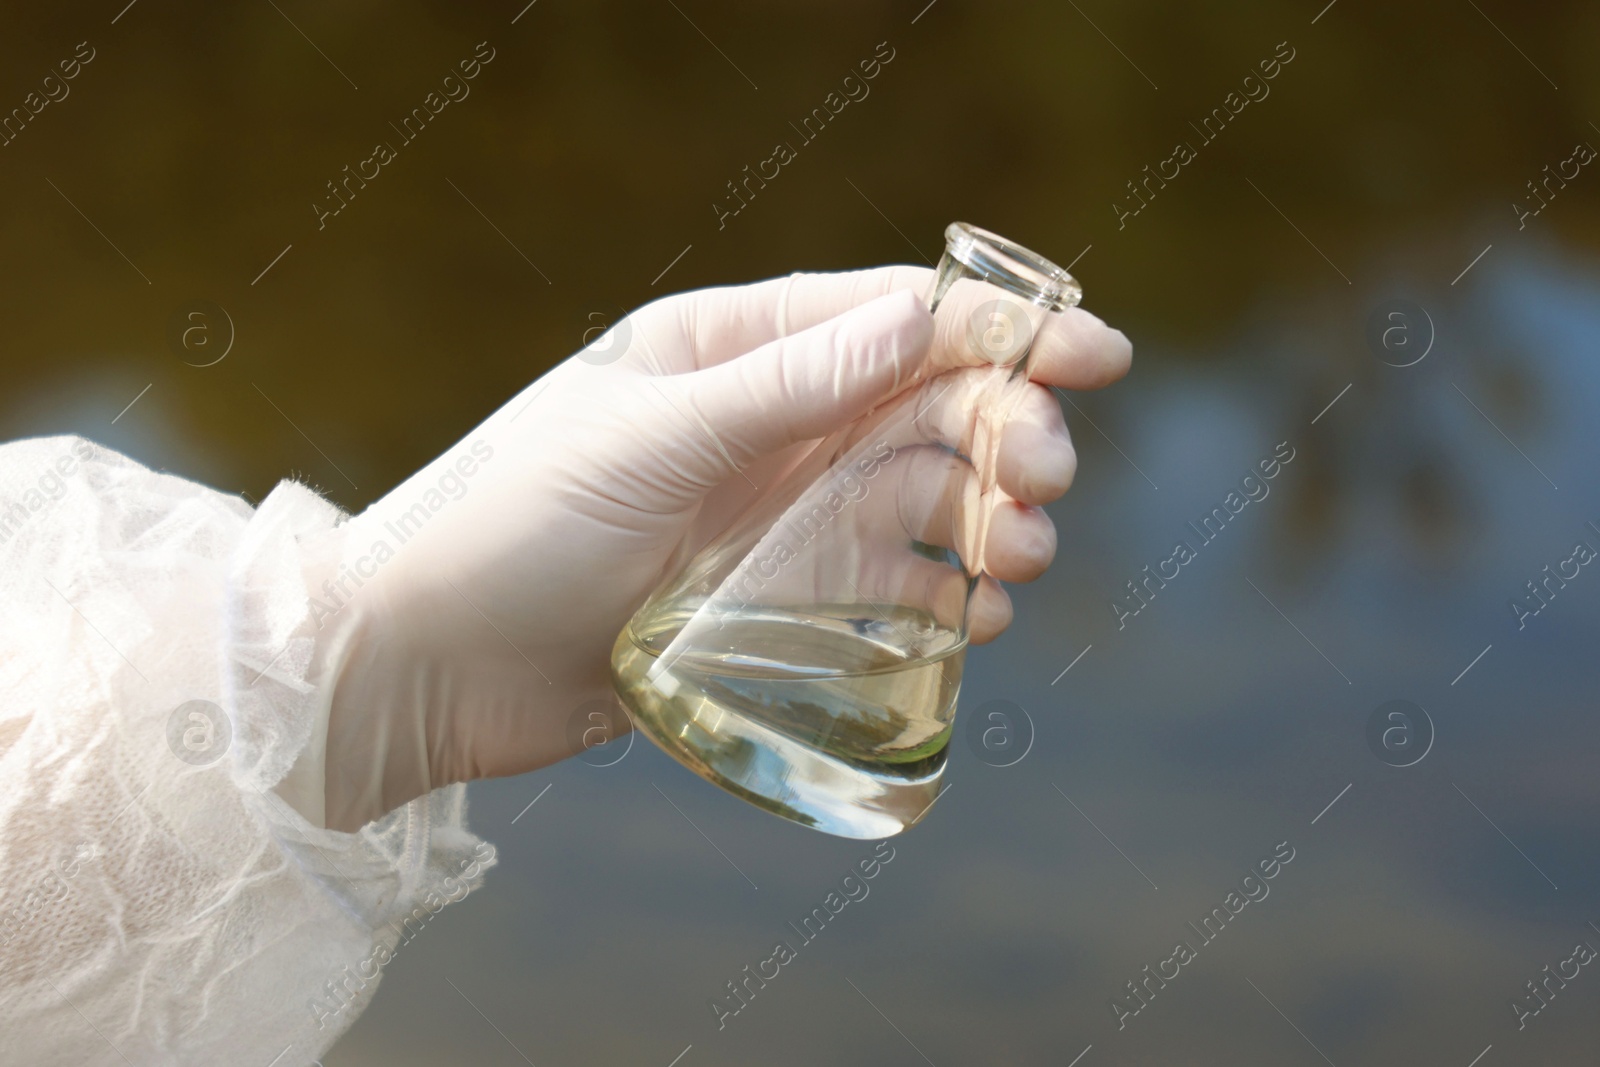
481 598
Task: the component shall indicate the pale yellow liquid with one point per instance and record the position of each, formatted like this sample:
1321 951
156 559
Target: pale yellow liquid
838 717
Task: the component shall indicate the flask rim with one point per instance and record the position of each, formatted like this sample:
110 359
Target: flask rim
1010 266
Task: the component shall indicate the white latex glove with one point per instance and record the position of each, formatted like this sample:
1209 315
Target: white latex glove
509 565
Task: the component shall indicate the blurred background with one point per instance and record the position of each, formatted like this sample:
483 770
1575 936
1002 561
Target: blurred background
1387 258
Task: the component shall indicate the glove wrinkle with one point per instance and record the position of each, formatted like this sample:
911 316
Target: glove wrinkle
153 873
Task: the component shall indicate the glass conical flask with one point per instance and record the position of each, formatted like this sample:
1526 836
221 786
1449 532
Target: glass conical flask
809 657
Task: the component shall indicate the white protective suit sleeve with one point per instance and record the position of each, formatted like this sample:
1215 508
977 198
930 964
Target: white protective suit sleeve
160 902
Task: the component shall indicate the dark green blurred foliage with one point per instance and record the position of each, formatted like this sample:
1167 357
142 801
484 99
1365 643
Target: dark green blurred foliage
602 133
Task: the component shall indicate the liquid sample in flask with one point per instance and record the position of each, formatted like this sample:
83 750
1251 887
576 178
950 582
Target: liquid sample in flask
808 659
838 717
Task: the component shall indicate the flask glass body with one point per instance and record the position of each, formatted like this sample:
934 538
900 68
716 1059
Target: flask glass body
809 658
